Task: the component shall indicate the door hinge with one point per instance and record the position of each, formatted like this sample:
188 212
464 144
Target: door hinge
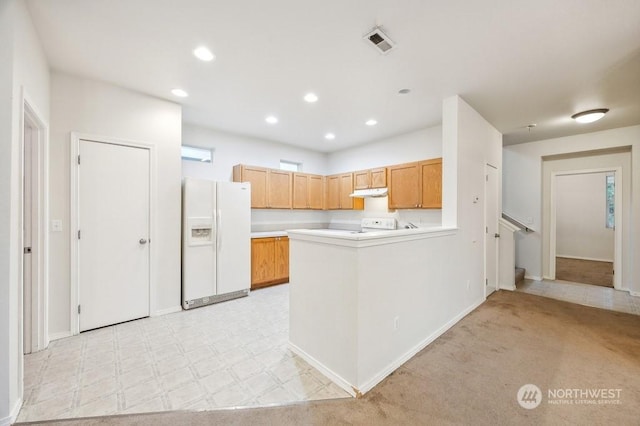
78 234
486 281
486 229
79 309
486 177
78 160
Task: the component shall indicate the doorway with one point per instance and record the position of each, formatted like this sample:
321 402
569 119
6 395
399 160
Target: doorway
492 214
34 153
111 233
586 227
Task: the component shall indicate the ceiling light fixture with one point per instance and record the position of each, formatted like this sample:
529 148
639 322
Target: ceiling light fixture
371 122
311 97
179 93
271 119
204 54
590 116
330 136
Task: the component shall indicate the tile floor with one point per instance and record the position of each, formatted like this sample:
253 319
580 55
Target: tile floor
583 294
225 355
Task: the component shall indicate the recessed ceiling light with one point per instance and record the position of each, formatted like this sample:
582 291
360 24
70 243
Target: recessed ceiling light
330 136
204 54
404 91
371 122
590 116
271 119
311 97
179 93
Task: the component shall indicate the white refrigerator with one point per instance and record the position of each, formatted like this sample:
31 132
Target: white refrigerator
216 241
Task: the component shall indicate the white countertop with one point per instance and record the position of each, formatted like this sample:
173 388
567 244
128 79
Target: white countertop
366 239
267 234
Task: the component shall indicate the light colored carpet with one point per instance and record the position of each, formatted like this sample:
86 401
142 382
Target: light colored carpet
471 374
584 271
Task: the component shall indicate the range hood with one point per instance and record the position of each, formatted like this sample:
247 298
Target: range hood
369 193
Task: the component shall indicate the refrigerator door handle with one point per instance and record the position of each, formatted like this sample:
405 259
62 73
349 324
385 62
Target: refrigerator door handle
219 229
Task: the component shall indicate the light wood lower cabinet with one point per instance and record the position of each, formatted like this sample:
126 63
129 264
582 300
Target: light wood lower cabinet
269 261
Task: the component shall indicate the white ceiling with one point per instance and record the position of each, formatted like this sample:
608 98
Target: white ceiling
515 61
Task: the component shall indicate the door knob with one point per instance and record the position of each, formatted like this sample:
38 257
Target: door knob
142 241
496 235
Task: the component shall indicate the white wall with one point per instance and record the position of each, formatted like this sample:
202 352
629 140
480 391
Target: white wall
24 67
581 217
414 146
231 149
91 107
522 192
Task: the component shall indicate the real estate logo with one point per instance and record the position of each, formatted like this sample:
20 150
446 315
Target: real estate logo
529 396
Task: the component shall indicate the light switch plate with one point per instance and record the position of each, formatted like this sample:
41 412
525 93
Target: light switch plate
56 226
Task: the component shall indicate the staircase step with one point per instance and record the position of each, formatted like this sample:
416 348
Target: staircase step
519 274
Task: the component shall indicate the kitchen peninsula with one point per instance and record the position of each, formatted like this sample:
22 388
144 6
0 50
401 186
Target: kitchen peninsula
362 304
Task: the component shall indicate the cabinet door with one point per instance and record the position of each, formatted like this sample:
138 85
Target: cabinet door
282 259
346 188
280 189
378 177
257 176
263 260
431 184
300 191
316 192
404 186
362 179
333 192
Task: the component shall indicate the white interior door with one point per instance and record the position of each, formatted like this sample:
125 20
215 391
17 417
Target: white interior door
113 219
491 227
27 222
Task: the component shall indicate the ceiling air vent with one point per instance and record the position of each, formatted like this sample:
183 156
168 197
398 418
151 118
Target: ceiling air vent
380 40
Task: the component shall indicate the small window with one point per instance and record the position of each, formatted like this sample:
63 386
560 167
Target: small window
611 196
191 153
290 166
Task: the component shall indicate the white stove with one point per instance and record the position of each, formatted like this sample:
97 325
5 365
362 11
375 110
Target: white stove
372 224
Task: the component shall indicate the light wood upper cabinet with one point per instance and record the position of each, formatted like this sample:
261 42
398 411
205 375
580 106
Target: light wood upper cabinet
361 179
379 177
308 191
416 185
258 177
280 189
333 192
373 178
431 183
269 261
270 188
339 187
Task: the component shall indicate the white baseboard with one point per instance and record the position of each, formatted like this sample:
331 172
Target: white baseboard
634 293
171 310
59 335
584 258
508 287
380 376
335 378
533 277
13 416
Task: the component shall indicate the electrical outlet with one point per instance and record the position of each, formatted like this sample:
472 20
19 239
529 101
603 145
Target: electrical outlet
396 323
